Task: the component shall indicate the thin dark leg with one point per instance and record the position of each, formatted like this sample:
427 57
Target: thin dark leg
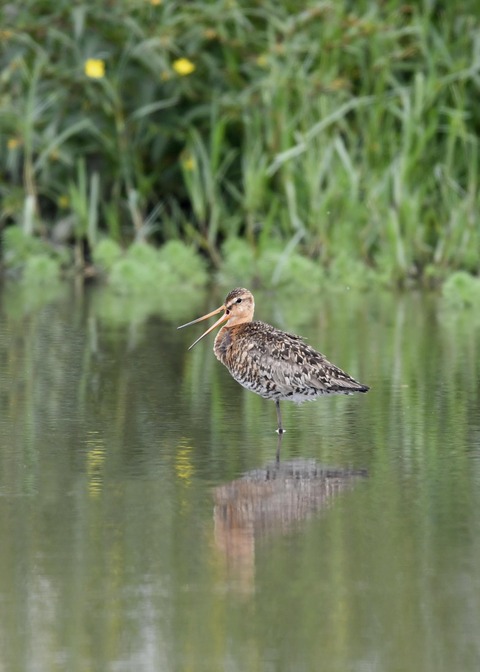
280 429
279 445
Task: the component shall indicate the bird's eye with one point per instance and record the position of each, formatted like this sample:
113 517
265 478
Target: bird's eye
239 301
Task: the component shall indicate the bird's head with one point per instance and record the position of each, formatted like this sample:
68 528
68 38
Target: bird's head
238 308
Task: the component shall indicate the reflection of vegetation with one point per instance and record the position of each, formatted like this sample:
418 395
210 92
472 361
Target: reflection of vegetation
143 281
116 309
148 428
24 299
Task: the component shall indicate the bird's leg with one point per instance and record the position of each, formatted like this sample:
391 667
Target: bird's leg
280 429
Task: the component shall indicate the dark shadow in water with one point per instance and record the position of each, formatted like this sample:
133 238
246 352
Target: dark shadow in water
274 499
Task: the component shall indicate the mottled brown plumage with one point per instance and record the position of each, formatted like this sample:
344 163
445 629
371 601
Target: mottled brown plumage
272 363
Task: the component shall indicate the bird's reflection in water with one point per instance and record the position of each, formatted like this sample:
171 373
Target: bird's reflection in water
271 500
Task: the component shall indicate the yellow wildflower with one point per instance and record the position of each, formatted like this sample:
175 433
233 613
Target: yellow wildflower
188 162
13 143
183 66
63 201
262 61
94 68
155 2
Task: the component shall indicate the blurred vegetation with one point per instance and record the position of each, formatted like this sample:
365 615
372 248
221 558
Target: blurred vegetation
461 290
280 142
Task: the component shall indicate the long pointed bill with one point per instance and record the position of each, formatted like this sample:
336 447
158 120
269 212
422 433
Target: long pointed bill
205 317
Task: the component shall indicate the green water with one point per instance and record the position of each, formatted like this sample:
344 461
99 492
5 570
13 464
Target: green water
144 525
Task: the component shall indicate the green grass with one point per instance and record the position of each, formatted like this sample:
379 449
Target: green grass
343 133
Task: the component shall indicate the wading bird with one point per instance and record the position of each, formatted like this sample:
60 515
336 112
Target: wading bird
274 364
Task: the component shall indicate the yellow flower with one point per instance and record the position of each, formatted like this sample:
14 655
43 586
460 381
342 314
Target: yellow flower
63 201
183 66
188 162
94 68
262 61
155 2
13 143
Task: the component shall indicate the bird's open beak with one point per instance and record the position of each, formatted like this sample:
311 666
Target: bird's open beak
205 317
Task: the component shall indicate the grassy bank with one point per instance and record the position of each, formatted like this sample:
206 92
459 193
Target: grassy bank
337 138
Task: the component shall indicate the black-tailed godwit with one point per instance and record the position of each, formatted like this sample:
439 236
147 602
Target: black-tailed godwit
272 363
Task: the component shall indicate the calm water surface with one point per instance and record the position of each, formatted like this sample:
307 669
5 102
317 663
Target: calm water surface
145 526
